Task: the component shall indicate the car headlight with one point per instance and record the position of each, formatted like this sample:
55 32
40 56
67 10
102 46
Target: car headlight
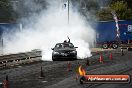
73 52
56 52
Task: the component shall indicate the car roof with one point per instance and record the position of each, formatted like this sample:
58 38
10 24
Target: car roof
64 43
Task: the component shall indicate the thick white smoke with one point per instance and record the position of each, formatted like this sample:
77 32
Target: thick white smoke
52 27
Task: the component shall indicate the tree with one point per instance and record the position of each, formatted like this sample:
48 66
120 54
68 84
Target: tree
104 14
129 2
120 7
5 11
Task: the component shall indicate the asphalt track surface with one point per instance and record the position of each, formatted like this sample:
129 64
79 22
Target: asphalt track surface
56 74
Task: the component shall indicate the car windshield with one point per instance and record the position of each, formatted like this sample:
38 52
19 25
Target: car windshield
64 45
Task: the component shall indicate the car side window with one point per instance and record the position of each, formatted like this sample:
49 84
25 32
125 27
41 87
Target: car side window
71 45
57 46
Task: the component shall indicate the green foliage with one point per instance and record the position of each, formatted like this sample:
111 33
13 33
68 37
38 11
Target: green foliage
123 8
120 7
129 2
104 14
5 11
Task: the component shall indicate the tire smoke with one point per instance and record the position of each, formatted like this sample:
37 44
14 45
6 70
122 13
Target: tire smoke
50 27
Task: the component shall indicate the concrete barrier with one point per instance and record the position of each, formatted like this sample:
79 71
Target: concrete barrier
20 58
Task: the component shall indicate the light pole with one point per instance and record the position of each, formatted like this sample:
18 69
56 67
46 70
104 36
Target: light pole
68 12
2 45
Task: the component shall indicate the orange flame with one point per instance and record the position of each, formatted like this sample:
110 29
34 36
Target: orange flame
82 72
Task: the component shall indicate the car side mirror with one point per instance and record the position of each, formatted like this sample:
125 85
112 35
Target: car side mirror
76 47
52 48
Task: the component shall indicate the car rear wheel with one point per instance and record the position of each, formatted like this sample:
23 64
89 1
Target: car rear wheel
114 46
53 58
75 58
